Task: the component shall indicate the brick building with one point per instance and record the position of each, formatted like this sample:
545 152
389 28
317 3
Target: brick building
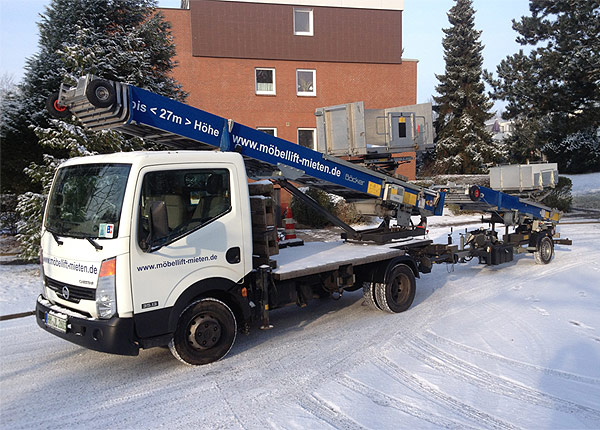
270 63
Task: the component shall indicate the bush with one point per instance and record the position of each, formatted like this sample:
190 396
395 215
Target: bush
560 198
347 212
306 215
8 214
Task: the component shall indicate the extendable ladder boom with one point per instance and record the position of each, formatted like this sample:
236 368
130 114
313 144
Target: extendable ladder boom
101 104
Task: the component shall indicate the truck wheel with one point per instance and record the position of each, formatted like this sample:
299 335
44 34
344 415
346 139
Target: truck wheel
369 295
544 250
205 332
56 110
398 292
101 93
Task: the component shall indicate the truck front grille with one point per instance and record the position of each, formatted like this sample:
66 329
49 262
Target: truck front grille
71 293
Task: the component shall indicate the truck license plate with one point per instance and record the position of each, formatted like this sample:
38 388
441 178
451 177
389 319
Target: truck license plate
57 323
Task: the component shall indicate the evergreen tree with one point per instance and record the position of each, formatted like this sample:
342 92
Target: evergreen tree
122 40
521 144
556 87
125 40
464 145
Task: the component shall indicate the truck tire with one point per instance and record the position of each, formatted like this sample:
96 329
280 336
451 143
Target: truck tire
205 332
398 292
56 110
369 295
544 250
101 93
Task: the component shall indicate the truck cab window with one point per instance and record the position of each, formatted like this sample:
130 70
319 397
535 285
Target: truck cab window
192 198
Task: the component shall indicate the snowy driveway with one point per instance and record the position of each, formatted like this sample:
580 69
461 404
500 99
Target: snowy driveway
513 346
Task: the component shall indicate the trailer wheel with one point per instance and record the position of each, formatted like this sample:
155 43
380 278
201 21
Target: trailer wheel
205 332
398 292
101 93
55 109
369 295
544 250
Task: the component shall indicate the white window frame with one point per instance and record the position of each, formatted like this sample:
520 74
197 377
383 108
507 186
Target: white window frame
312 93
263 92
268 128
310 31
314 130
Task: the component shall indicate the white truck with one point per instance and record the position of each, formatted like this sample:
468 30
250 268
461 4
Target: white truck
176 248
147 249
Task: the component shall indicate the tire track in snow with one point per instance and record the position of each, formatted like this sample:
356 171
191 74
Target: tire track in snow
433 337
329 413
386 400
423 387
474 375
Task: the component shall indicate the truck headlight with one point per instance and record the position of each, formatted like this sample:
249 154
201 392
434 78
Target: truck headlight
106 295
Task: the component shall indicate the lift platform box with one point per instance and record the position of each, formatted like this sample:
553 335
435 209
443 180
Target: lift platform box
351 130
524 177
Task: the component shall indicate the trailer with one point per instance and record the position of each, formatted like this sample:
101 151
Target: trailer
176 248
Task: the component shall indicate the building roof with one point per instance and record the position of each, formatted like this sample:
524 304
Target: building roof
357 4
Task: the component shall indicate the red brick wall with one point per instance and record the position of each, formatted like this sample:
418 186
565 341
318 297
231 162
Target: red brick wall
225 86
254 30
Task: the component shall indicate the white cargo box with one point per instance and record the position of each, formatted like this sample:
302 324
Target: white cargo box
524 177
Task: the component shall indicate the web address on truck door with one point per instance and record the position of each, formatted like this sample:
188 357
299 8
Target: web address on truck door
287 155
177 262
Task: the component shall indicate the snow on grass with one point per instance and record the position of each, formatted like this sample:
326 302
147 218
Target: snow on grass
585 183
19 287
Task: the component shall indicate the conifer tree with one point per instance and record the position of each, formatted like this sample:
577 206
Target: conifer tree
556 87
122 40
464 145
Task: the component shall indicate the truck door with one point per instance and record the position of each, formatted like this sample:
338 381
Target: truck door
187 228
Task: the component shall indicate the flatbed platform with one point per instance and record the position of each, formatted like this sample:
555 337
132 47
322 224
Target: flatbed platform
317 257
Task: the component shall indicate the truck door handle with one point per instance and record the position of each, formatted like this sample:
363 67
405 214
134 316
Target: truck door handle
233 255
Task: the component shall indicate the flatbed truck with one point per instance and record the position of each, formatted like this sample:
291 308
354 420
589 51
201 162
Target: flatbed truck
178 249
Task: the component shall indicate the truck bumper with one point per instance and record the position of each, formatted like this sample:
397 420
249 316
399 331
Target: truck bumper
114 336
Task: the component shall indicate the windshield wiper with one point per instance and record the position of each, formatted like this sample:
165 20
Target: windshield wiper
94 243
56 238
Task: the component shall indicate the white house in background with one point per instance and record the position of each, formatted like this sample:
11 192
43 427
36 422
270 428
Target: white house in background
499 128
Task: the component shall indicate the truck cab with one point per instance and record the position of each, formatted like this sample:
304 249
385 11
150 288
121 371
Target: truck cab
129 240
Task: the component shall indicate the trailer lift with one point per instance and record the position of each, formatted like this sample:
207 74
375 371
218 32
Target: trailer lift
534 227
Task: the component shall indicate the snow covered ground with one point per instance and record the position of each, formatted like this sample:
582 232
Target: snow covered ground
512 346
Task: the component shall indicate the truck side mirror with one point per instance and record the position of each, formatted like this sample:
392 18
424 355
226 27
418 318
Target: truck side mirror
158 223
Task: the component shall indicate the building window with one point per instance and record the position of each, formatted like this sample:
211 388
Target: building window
306 82
264 81
269 130
303 22
307 137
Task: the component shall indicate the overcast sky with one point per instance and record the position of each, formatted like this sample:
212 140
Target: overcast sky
423 21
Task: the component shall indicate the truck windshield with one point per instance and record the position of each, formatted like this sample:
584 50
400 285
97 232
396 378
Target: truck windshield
86 200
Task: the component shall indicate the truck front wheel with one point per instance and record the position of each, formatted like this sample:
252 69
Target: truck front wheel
205 332
398 292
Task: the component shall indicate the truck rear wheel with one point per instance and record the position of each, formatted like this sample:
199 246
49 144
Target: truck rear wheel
101 93
544 250
205 332
398 292
369 295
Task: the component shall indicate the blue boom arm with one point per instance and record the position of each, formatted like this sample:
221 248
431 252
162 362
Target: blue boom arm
142 113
